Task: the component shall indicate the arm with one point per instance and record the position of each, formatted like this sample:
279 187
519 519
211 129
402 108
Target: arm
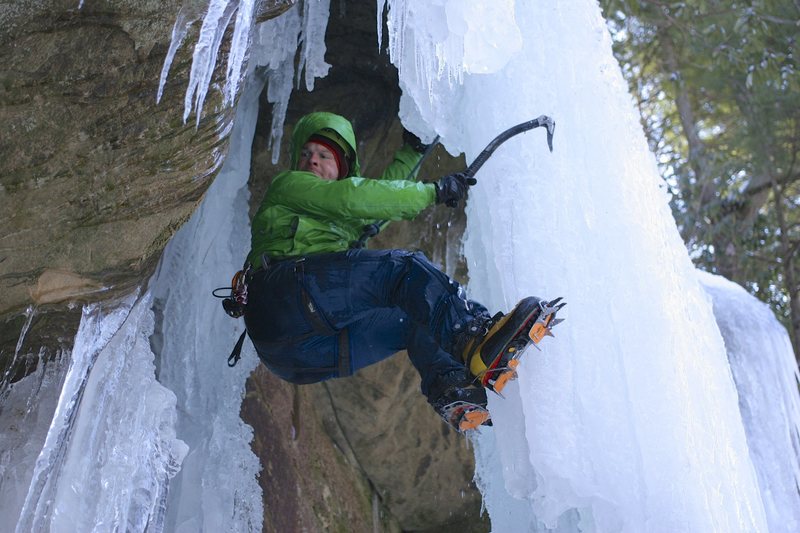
405 159
359 198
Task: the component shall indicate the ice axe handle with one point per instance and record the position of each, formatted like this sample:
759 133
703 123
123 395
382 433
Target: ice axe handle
487 152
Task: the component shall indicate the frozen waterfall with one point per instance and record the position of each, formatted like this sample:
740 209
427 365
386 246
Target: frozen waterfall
629 420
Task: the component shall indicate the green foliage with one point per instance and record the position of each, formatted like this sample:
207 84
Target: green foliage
718 89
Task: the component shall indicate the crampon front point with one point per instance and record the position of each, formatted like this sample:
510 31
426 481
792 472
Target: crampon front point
536 326
465 416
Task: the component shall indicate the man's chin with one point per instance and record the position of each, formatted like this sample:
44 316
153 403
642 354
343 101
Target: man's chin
310 172
317 173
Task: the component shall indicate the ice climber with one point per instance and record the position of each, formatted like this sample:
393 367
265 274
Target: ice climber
319 308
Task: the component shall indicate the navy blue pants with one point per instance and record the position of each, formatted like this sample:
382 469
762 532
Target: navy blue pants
329 315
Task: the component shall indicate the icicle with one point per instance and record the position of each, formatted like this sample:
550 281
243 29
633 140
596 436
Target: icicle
278 40
218 16
312 52
205 56
380 15
275 48
467 37
185 18
239 50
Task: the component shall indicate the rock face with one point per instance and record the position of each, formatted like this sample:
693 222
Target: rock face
95 178
308 483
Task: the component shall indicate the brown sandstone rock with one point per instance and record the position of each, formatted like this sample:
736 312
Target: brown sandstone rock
94 176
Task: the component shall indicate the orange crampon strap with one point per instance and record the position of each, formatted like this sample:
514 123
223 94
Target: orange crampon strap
540 329
510 374
473 420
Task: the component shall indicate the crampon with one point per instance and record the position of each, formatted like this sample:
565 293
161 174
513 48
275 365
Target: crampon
465 416
464 408
496 369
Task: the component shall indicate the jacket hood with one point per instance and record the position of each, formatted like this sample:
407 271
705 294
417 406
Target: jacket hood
330 125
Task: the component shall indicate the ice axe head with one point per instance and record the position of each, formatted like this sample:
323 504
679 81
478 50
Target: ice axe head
550 124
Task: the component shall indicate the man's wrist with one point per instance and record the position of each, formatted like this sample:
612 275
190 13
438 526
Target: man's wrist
414 142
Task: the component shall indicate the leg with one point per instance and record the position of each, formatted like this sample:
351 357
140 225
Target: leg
429 359
387 331
301 350
444 380
303 315
347 286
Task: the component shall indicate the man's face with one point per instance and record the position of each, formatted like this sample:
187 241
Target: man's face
316 158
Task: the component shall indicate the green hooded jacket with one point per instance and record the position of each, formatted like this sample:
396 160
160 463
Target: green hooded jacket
303 214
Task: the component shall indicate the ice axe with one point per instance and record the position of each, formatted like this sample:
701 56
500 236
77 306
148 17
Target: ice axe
487 152
370 230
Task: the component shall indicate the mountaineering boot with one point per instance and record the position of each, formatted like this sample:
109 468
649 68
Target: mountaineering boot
460 403
491 349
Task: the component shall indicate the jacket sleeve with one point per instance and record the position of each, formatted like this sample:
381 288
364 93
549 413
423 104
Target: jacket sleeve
405 159
360 198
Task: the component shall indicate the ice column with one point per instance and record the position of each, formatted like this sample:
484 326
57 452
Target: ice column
216 489
628 421
766 375
111 448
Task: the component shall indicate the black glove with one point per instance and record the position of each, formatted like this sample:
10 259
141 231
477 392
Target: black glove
452 188
414 142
